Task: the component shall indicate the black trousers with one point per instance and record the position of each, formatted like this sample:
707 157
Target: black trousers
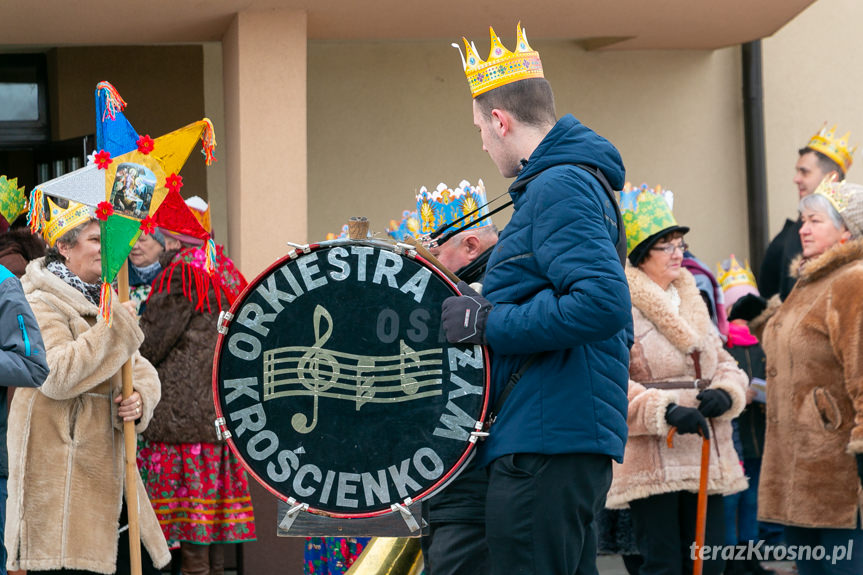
665 532
456 549
540 511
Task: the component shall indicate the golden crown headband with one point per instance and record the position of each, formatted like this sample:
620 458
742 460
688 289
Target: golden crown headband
826 142
502 66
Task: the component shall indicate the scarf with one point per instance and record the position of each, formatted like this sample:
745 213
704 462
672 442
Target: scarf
145 274
90 291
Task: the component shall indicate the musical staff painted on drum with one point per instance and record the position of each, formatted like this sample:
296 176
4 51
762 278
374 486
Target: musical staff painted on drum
323 373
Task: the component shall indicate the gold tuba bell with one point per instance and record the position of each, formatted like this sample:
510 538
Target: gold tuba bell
389 556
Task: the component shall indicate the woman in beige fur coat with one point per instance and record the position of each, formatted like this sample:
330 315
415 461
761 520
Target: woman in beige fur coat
671 328
810 481
65 440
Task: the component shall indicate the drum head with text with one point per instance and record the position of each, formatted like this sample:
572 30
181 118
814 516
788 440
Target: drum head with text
337 385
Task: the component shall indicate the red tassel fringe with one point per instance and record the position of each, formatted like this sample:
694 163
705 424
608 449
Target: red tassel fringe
113 101
196 285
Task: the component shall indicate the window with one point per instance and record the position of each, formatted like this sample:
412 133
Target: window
23 100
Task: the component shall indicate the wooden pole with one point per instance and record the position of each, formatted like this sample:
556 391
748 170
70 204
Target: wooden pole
131 442
701 513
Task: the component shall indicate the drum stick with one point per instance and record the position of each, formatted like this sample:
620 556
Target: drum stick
423 251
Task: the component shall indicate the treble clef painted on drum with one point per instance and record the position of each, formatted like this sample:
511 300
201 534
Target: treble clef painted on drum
311 365
337 385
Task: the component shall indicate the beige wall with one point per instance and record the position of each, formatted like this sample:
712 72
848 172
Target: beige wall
810 75
162 85
387 118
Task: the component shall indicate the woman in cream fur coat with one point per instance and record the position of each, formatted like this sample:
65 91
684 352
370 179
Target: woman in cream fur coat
65 440
660 484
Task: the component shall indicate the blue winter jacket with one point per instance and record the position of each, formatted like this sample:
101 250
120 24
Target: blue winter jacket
559 290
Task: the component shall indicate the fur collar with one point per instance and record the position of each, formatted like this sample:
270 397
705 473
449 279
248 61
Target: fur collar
684 330
831 260
39 279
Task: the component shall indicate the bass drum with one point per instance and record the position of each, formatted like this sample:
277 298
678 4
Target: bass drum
335 385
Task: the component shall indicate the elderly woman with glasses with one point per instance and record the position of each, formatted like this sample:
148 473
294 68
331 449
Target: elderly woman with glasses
813 453
681 378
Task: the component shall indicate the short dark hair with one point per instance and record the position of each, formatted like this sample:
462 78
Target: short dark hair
530 101
826 164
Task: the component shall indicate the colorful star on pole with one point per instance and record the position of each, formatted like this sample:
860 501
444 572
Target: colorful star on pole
134 182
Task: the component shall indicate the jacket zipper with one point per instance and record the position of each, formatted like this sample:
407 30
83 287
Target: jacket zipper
24 334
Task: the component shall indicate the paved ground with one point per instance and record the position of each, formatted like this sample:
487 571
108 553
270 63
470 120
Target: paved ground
613 565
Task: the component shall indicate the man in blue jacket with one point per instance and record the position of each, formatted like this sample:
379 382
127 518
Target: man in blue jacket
22 364
556 313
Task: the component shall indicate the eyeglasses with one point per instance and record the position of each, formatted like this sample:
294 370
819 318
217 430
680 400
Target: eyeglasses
669 248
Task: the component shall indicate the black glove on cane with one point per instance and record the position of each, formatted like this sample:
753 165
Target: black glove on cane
747 308
463 317
686 420
859 457
714 402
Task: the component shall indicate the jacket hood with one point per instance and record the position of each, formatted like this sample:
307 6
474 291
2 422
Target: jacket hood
571 142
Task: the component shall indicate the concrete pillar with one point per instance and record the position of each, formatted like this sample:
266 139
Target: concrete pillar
264 59
264 63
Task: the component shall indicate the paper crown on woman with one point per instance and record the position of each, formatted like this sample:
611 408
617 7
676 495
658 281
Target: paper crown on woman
502 66
445 206
837 149
13 200
408 226
847 199
736 281
647 216
52 221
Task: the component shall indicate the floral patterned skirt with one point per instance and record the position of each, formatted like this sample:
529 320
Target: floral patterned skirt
332 555
199 491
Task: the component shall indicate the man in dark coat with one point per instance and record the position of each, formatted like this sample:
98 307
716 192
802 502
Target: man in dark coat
824 155
456 542
556 311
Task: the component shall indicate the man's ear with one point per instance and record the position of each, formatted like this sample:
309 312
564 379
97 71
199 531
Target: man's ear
471 244
501 121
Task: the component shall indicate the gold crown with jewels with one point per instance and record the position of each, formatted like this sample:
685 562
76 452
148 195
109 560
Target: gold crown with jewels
502 66
735 275
826 142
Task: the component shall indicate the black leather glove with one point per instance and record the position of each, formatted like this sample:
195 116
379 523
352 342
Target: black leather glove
859 457
714 402
687 420
463 317
747 307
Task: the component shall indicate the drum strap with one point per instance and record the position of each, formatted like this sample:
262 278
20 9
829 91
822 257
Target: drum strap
510 385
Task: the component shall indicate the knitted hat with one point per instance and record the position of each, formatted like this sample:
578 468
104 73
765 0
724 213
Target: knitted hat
847 199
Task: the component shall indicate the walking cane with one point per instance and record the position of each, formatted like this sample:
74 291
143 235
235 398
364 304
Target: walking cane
131 443
701 510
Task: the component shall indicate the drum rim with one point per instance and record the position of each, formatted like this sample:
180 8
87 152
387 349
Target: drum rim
432 490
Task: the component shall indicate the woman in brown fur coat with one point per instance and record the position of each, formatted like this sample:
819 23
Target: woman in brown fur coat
65 440
813 458
675 345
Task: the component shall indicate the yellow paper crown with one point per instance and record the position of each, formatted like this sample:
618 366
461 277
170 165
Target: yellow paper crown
56 221
502 66
735 275
830 188
826 142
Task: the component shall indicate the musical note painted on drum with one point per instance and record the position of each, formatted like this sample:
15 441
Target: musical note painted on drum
322 373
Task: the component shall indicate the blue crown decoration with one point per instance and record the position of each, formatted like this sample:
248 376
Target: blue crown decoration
409 226
445 205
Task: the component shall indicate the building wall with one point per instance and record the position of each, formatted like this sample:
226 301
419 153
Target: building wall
810 78
162 85
387 118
